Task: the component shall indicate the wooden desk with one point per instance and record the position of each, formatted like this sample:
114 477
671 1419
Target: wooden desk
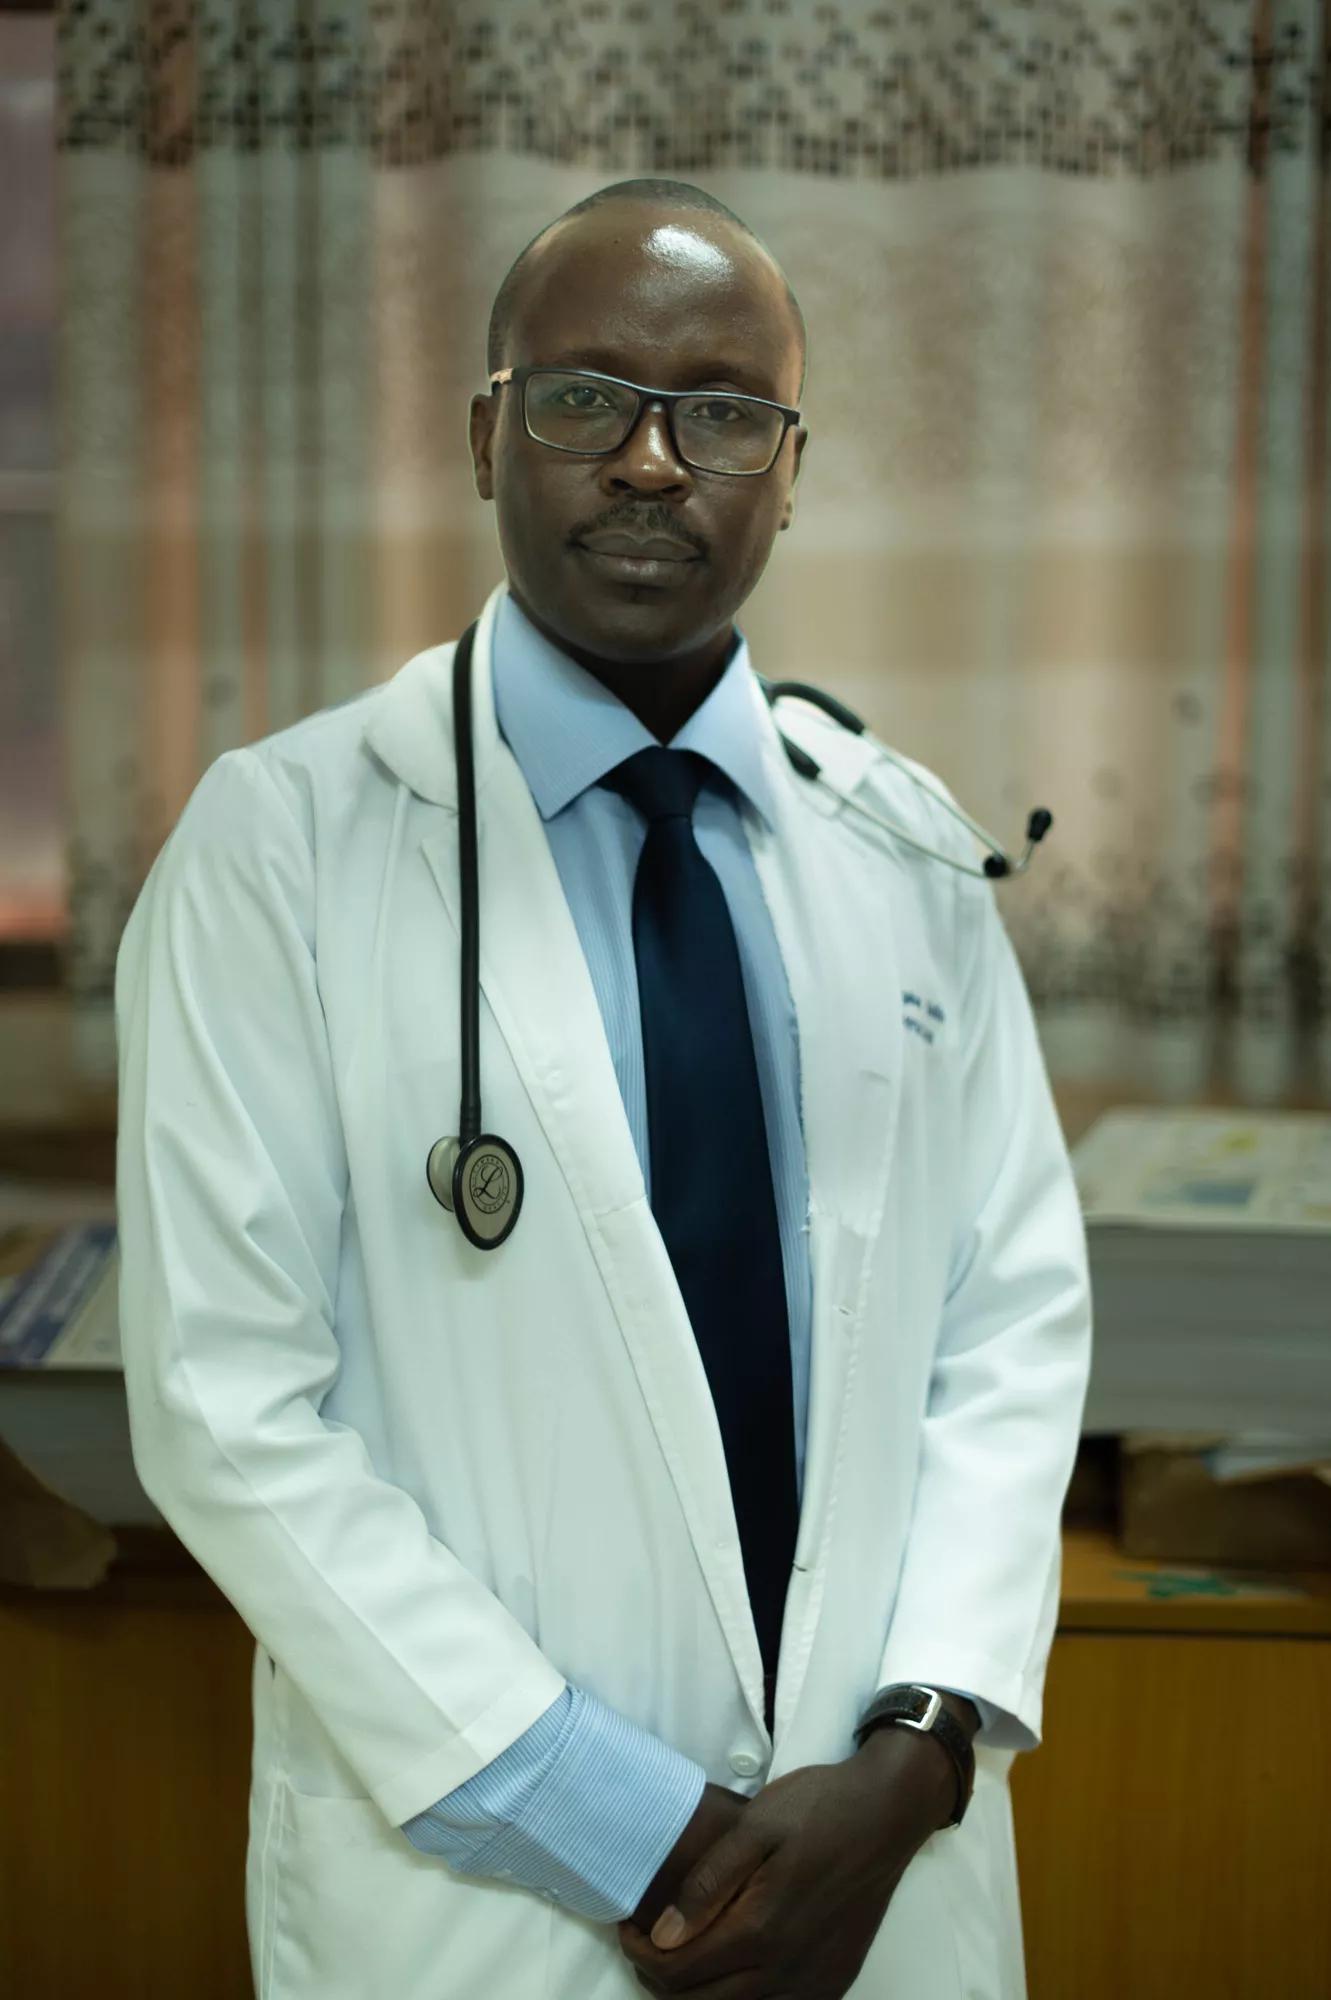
1173 1830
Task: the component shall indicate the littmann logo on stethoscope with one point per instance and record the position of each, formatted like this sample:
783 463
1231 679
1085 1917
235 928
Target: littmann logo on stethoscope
924 1012
487 1183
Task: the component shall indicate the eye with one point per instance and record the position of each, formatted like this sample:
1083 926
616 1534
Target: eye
579 389
722 411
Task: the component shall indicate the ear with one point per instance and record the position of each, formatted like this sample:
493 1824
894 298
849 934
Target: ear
480 426
788 514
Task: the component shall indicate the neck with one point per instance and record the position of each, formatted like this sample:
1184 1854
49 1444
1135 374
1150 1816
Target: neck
663 694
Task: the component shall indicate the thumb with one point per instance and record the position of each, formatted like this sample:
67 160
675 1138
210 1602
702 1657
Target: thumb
713 1881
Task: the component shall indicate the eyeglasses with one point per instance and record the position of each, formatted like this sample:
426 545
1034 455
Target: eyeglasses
591 414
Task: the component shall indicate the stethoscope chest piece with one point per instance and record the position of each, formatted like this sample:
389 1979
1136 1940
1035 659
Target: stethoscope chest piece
481 1183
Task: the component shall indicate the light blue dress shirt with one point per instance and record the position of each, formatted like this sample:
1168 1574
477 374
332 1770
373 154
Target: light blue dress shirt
585 1805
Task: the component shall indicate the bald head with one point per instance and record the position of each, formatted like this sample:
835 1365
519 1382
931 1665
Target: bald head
646 210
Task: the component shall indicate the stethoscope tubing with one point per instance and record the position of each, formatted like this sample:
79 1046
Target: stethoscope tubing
469 1123
997 863
478 1175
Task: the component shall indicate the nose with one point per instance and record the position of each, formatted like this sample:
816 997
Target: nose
647 459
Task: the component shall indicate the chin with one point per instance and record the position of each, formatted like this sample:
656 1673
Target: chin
636 633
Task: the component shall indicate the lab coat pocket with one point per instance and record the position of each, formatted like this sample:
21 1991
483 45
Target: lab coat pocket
359 1910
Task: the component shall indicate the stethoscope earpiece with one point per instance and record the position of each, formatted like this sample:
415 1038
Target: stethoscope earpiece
997 863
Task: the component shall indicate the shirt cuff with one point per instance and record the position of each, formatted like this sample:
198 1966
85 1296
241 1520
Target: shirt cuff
582 1808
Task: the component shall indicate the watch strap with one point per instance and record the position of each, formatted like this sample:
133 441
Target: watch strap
909 1703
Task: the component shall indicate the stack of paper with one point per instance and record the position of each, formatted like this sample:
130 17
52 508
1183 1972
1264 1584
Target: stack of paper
62 1387
1209 1237
58 1308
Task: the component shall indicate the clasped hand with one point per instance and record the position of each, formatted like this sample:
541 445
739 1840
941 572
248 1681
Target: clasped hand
789 1900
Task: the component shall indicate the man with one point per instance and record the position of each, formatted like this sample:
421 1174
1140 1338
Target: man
770 1400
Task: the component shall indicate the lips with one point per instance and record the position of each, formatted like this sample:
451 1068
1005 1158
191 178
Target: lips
622 557
663 548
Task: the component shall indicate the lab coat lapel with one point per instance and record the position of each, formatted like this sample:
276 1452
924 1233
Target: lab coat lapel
834 924
535 979
533 973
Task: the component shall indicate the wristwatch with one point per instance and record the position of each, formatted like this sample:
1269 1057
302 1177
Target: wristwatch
910 1706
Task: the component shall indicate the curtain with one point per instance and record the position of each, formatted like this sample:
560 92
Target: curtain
1061 525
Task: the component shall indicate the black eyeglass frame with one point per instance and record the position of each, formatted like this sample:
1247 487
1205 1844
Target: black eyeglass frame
517 377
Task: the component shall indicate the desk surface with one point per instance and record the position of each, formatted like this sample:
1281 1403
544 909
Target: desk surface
1107 1591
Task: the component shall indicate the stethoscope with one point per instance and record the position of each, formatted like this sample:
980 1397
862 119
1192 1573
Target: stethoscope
478 1175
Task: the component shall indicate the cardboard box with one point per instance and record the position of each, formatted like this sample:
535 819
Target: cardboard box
1171 1509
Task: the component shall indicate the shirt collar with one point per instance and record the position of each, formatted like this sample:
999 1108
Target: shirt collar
567 730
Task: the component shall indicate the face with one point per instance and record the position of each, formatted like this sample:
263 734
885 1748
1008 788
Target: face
673 304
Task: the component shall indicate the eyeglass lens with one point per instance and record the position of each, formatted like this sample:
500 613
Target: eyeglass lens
716 432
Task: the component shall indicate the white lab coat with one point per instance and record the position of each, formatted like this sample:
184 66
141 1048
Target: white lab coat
436 1482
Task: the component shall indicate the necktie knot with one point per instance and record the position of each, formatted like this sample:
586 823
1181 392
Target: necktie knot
662 783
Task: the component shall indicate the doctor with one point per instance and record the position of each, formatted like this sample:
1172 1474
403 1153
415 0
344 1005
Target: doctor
671 1552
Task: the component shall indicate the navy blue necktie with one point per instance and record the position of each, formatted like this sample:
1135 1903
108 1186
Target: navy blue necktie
711 1170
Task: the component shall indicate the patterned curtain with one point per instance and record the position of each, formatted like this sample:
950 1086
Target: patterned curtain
1061 528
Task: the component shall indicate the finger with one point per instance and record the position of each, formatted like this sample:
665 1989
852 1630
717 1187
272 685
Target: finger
725 1948
715 1879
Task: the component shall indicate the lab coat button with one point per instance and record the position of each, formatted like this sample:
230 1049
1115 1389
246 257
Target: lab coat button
744 1764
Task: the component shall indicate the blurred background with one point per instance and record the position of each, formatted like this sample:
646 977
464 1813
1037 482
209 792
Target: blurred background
1062 534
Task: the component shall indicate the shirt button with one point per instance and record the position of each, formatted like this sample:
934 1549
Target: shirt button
744 1764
